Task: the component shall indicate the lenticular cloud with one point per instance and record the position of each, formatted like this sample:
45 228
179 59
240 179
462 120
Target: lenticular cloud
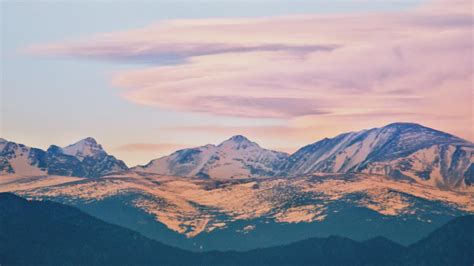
295 66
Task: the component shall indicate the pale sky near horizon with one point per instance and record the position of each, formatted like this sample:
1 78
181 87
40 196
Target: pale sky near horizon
148 77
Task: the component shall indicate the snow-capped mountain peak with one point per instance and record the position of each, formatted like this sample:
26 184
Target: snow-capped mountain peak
406 151
399 150
237 157
85 158
84 148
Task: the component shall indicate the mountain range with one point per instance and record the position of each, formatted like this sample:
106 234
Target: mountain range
400 181
234 158
85 158
63 235
399 150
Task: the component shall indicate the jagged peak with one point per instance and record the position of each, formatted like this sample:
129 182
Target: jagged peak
89 141
83 148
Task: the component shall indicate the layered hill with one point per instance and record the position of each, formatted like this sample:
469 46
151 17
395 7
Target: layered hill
48 233
206 214
399 181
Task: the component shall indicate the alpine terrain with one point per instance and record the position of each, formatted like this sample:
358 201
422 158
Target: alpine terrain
85 158
64 235
234 158
400 181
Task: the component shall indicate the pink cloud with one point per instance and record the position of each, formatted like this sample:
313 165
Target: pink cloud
417 62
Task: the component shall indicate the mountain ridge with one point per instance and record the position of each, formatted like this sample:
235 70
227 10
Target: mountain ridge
63 235
205 214
85 158
407 151
236 157
401 150
387 151
198 207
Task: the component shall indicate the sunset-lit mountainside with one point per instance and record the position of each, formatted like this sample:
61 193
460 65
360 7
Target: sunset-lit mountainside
239 132
284 75
400 181
400 151
85 158
90 241
234 158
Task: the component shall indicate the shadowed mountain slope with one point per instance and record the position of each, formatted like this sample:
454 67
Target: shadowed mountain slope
47 233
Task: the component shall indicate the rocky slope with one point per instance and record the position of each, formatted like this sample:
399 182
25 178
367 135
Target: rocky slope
48 233
235 158
85 158
397 181
400 150
248 213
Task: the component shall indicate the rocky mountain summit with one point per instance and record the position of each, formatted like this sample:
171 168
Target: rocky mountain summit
237 158
85 158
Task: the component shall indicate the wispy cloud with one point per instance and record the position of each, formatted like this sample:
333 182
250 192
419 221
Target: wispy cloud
413 62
